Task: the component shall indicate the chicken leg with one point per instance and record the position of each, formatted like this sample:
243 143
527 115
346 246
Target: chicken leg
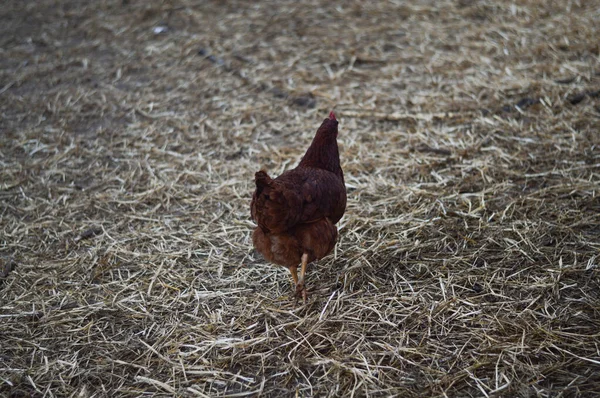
300 288
294 271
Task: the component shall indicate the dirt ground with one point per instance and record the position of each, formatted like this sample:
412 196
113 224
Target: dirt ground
468 258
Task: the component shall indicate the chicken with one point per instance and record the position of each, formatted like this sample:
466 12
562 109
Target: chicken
296 212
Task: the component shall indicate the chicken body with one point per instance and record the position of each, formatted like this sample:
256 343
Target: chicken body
296 212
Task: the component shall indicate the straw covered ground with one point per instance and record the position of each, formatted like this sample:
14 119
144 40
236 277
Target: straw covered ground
468 258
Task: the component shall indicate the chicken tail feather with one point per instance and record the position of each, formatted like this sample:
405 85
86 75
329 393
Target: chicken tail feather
271 204
262 180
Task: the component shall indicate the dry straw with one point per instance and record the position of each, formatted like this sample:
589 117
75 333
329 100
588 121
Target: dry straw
467 263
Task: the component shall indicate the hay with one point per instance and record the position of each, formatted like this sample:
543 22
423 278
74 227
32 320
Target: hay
467 263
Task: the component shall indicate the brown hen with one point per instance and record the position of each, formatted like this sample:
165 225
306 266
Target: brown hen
297 211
